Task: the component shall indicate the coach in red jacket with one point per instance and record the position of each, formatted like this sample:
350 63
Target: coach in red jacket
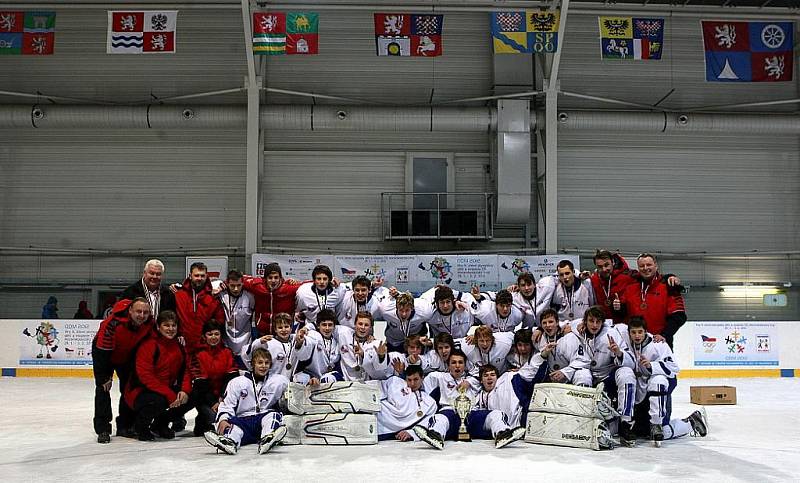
161 383
196 305
610 280
650 297
113 349
273 295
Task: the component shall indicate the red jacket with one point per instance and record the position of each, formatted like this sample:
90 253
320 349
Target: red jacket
160 368
621 277
118 335
656 302
270 302
194 310
215 365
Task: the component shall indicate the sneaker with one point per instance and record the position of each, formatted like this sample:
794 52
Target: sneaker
179 425
656 433
699 423
626 435
223 443
104 438
430 436
164 432
126 432
508 436
270 440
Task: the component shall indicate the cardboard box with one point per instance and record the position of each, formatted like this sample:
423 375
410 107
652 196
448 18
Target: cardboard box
709 395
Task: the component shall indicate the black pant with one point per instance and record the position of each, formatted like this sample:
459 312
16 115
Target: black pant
153 411
102 399
205 415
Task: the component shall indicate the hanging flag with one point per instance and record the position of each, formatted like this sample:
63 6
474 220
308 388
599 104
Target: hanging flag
631 38
279 33
525 32
141 32
408 34
748 51
27 33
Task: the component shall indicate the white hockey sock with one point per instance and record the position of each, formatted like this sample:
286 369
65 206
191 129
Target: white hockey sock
676 428
236 434
495 422
270 422
439 423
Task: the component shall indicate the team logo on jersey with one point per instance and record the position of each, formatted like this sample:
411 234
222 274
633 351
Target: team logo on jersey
243 394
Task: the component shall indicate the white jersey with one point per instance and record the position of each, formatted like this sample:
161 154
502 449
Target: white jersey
569 355
431 362
443 387
496 355
285 355
457 323
386 369
402 408
570 303
396 329
310 301
602 361
526 306
355 367
662 363
246 397
514 360
349 307
485 310
326 354
238 320
513 390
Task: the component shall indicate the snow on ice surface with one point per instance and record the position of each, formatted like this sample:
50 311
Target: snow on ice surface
47 435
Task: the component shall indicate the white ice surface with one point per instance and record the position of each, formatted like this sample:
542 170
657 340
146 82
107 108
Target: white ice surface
47 436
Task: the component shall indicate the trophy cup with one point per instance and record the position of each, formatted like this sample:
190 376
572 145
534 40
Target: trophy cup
463 405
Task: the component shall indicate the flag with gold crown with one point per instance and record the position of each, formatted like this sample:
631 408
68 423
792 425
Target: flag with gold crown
525 32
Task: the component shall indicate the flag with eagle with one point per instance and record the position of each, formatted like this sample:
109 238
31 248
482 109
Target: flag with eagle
631 38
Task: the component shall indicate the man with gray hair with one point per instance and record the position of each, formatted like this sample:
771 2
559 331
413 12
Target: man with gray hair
150 287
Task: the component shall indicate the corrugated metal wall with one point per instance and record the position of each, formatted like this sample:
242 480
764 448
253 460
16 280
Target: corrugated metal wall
153 190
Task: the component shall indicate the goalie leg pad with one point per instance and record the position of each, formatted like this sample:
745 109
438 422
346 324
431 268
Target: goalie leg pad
573 400
336 397
339 429
566 430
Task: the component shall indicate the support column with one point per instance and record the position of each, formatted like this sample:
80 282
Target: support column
254 141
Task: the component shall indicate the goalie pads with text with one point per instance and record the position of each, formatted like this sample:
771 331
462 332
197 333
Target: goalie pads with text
332 428
568 430
335 397
587 402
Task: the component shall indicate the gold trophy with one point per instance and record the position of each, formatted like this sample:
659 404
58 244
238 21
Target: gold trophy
463 405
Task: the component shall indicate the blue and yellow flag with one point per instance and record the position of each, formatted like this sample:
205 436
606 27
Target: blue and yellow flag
525 32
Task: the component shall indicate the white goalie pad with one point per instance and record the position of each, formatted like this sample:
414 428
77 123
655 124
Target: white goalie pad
566 430
573 400
335 397
294 429
333 428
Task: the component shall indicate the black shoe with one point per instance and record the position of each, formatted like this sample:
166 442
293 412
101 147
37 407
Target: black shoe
126 432
146 435
164 432
626 435
656 434
179 425
699 425
104 438
201 430
429 436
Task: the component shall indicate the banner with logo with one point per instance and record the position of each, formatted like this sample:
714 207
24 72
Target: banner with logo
298 267
511 267
393 270
55 342
736 344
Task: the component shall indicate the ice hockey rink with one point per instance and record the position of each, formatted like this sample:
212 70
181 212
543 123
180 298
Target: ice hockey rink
48 435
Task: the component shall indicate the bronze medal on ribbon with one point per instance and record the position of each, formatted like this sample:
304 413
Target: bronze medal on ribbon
643 305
